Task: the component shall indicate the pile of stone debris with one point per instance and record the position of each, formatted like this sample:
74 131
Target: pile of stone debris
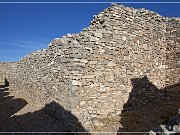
172 127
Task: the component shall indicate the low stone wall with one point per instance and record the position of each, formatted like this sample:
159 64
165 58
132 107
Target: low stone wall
93 73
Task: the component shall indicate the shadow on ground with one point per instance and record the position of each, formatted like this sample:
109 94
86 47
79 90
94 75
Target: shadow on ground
8 106
52 118
148 107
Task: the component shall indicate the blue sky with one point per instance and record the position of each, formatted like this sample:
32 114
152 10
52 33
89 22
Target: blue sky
28 27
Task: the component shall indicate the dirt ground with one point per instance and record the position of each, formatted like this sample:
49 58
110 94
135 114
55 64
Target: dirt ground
43 120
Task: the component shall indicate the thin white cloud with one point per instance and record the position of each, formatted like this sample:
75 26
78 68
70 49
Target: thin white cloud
22 47
12 51
25 44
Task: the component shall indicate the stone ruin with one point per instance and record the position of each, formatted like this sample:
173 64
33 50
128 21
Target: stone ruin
91 73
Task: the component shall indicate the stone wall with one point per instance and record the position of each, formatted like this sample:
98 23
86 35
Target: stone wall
7 70
92 73
173 51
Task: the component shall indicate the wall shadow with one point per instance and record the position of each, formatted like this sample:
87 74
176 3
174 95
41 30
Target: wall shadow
8 105
148 107
52 118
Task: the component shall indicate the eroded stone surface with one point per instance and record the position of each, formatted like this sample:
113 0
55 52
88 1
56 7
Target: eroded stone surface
91 73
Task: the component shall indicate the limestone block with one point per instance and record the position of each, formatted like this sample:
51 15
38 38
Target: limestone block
84 60
82 103
101 51
75 82
111 64
178 62
103 88
97 122
98 35
92 62
69 35
124 38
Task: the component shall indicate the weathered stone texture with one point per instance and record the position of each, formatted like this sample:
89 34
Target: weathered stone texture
90 73
173 51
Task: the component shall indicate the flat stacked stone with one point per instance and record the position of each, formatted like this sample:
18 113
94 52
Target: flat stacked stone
91 73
